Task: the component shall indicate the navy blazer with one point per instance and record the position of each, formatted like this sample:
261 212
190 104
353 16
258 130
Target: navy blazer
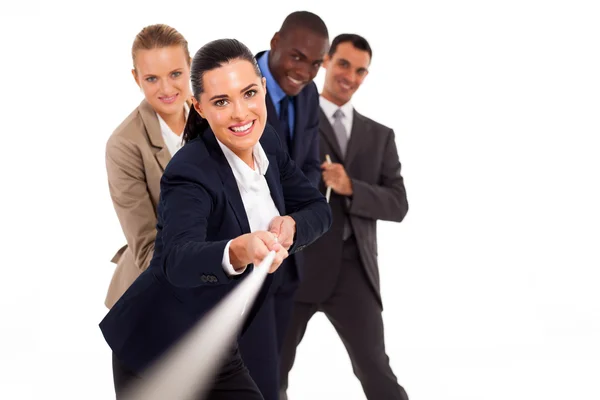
305 142
305 148
200 210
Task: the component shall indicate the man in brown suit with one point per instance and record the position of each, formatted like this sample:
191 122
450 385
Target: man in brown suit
341 275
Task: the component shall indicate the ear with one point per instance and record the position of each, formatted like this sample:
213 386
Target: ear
135 77
197 107
264 84
326 60
275 40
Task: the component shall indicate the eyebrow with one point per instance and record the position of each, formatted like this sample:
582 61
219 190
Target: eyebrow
170 72
224 96
320 60
349 63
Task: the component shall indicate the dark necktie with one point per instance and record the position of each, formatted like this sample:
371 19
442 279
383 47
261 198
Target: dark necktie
284 121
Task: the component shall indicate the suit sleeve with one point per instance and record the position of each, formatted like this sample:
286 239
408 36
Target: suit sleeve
387 199
312 164
189 260
303 202
131 200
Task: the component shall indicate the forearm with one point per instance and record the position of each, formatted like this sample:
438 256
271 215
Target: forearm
378 202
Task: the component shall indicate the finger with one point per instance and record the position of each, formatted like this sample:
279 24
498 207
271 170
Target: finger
279 229
276 247
275 226
279 257
268 238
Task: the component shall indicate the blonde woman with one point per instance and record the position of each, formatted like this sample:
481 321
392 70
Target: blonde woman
139 149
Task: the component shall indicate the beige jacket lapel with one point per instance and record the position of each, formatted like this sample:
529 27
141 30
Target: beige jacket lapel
163 156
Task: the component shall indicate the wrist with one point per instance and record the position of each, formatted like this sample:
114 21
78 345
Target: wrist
292 220
238 256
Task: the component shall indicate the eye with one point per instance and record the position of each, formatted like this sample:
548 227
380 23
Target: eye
220 103
250 93
176 74
317 64
151 79
295 57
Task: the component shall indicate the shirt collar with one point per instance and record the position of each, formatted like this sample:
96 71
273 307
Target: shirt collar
244 175
329 108
164 128
273 88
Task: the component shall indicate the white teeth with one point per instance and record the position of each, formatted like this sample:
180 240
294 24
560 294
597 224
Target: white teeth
243 127
295 81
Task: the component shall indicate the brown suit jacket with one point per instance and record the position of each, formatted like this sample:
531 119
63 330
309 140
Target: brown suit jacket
373 165
136 156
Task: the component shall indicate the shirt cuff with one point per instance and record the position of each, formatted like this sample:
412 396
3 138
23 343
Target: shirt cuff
227 267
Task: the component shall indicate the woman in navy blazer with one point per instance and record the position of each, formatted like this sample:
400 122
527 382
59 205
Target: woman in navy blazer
205 245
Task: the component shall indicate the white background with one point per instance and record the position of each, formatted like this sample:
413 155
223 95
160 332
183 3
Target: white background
490 285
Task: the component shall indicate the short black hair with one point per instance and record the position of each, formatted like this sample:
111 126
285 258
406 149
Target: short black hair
357 41
306 20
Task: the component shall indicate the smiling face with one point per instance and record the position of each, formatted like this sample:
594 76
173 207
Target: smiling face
346 70
233 103
163 74
296 57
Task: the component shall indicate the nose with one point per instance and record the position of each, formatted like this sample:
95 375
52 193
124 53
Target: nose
307 72
240 110
165 86
350 76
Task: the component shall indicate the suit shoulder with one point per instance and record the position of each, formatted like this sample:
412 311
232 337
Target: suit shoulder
131 129
311 90
192 162
374 124
270 140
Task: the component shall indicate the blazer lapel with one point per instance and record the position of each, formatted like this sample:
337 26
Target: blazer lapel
327 131
273 180
358 134
163 156
273 119
231 189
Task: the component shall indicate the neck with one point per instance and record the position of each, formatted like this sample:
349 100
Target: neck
326 94
247 156
176 122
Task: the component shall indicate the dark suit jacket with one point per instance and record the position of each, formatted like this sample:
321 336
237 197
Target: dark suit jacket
373 166
200 210
305 146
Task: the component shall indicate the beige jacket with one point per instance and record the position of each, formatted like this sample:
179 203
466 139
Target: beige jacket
136 156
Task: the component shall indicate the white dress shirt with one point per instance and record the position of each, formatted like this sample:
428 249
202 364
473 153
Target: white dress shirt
172 140
329 109
255 193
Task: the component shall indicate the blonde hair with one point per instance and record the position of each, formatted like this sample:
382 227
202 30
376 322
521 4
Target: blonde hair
156 37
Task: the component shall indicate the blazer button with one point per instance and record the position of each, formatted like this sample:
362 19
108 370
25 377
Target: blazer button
204 278
213 279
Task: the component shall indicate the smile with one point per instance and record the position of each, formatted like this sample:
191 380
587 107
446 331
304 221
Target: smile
241 130
345 86
168 99
295 81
